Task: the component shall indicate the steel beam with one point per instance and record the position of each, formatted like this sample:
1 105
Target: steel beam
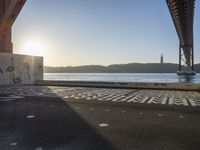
182 13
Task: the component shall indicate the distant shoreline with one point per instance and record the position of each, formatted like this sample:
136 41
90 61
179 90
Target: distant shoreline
120 68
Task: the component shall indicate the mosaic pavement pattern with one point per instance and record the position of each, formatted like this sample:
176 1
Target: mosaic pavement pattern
164 97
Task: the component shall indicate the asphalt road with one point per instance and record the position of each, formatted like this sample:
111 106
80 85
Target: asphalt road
38 122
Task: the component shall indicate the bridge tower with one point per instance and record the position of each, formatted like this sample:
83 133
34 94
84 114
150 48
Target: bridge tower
182 13
9 10
161 59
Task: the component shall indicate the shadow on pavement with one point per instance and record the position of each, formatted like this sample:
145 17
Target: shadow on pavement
46 123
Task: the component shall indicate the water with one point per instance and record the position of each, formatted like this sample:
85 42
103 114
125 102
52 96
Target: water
121 77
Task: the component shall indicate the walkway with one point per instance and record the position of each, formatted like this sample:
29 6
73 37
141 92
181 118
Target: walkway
41 117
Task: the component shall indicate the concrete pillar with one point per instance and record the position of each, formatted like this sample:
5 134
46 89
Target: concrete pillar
5 40
9 10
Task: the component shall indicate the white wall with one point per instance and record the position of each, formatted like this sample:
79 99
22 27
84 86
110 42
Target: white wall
20 69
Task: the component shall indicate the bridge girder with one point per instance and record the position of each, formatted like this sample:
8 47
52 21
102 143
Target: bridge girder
182 13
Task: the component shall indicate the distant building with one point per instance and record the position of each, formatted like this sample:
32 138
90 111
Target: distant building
161 59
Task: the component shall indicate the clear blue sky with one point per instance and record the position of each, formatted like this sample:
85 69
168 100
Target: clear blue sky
84 32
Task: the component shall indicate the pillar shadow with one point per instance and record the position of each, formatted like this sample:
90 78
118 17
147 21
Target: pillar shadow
48 123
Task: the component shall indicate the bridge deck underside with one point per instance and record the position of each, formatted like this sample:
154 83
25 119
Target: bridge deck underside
182 12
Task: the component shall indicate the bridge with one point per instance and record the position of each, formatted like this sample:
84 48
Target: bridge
182 12
94 118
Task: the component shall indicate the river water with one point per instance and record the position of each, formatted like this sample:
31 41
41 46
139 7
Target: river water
121 77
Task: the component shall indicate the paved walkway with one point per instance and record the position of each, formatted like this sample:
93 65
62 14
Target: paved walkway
73 118
164 97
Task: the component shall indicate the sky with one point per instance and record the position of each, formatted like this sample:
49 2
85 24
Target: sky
99 32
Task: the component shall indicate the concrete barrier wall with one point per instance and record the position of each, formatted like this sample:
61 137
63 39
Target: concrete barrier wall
135 85
20 69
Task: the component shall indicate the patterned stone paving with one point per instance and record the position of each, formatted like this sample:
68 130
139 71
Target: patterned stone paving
163 97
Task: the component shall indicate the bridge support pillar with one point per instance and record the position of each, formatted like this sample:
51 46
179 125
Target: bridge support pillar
186 66
18 69
6 45
14 68
9 10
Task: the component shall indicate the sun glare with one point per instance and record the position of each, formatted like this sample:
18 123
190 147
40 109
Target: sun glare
33 48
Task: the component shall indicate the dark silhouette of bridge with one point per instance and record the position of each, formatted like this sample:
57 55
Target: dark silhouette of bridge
182 12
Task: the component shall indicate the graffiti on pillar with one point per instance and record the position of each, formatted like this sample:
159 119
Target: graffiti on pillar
20 69
15 80
10 69
26 68
18 73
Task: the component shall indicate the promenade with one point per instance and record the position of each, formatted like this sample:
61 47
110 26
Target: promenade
83 118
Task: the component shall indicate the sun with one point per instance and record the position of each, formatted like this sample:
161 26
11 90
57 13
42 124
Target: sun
33 47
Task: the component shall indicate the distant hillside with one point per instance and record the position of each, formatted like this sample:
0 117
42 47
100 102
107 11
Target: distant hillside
120 68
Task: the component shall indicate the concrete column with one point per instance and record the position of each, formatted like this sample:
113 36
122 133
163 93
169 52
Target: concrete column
5 40
9 10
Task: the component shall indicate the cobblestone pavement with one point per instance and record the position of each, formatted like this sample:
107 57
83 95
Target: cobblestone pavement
163 97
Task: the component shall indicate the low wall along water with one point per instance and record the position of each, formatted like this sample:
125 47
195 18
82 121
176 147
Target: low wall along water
20 69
